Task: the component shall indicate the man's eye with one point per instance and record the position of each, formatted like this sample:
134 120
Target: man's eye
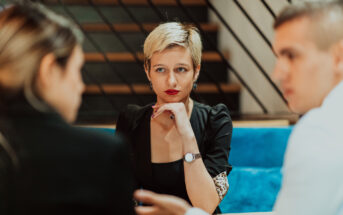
160 70
181 69
290 56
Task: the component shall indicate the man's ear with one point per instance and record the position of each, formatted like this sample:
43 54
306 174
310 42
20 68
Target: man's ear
196 73
338 58
47 71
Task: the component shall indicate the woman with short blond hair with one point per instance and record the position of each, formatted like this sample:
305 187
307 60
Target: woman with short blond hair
179 146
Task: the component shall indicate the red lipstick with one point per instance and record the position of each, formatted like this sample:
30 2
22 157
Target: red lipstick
172 92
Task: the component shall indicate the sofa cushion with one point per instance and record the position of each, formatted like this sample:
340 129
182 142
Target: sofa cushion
251 189
258 147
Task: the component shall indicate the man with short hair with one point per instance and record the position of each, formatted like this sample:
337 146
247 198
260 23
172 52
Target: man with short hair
309 46
309 68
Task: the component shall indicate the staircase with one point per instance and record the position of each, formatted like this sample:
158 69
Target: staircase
108 80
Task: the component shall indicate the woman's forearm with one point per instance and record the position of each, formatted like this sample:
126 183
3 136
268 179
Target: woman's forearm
199 184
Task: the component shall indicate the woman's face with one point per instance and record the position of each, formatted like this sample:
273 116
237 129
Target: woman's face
65 88
172 74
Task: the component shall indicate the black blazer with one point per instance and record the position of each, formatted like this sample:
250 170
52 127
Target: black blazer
212 127
64 169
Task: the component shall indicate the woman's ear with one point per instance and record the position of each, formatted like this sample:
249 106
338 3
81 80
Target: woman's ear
147 72
196 73
48 71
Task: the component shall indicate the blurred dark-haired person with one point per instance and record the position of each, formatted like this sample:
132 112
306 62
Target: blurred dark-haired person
309 47
61 169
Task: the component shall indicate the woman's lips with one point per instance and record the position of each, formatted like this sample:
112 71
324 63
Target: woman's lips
172 92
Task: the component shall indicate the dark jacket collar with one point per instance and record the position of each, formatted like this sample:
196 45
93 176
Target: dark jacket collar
20 109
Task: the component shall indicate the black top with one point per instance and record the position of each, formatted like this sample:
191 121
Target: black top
64 169
170 178
212 127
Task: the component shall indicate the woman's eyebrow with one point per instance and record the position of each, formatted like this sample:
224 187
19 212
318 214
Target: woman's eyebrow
157 65
182 64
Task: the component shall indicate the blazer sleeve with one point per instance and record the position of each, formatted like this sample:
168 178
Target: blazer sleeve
219 130
125 121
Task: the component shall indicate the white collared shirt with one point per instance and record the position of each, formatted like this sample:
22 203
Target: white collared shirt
313 164
196 211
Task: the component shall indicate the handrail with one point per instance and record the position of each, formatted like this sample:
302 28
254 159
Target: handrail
266 5
113 30
101 88
246 50
252 22
99 49
159 14
133 17
224 59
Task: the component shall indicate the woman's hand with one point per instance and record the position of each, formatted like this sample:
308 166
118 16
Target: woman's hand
178 114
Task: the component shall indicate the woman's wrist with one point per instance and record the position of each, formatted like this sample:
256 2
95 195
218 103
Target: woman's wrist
190 144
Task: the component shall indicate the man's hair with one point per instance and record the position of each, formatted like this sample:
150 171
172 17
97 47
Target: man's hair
326 19
172 34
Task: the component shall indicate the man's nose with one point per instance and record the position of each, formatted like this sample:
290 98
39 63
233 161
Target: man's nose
280 71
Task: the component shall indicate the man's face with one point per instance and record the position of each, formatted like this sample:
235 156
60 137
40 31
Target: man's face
304 72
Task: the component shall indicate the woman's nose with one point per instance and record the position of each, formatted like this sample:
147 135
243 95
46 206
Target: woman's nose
172 79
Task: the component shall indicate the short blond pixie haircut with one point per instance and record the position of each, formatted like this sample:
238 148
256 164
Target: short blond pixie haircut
172 34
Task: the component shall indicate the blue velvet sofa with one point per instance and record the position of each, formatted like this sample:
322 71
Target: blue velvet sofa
257 157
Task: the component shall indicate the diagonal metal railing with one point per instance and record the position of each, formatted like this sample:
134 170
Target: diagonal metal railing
99 49
270 10
162 18
246 50
253 23
242 81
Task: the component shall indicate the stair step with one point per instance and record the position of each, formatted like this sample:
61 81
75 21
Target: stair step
98 108
208 56
145 89
134 73
130 2
131 27
109 42
145 14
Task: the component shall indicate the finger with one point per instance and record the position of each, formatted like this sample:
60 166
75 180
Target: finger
147 210
145 196
164 108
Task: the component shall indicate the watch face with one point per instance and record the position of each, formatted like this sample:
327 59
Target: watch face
188 157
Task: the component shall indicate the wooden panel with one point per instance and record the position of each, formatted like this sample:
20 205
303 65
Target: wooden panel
131 2
208 56
96 27
145 89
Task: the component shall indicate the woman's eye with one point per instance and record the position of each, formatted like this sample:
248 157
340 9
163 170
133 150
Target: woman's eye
160 70
181 69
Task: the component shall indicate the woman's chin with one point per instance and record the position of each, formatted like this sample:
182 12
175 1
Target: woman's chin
172 99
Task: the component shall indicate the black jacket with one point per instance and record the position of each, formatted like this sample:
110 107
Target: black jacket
65 169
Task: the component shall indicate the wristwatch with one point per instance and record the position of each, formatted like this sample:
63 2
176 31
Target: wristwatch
189 157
